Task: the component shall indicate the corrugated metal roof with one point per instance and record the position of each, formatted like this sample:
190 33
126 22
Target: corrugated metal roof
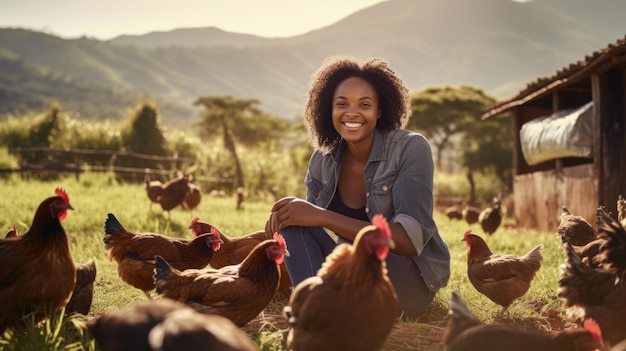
562 76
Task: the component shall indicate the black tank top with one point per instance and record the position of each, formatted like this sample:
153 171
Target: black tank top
337 205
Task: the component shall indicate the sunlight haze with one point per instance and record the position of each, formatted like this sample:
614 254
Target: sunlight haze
108 19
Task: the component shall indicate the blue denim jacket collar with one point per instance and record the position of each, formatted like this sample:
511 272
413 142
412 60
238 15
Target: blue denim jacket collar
376 154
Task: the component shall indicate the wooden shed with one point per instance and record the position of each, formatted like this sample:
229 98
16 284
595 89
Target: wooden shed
581 183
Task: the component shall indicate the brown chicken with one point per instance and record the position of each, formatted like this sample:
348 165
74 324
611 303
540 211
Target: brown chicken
134 252
593 293
491 217
241 196
470 214
83 291
174 192
237 292
234 250
351 303
612 254
453 212
192 198
502 278
154 189
466 333
165 325
37 268
575 230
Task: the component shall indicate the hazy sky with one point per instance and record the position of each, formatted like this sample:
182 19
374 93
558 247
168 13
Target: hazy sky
105 19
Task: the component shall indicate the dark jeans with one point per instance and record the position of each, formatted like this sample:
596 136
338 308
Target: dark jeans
309 247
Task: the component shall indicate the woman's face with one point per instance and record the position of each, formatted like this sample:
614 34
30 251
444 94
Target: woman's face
355 110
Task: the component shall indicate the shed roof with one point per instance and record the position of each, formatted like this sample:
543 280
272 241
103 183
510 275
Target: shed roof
563 76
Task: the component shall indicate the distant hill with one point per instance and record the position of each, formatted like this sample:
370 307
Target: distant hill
497 45
25 87
191 38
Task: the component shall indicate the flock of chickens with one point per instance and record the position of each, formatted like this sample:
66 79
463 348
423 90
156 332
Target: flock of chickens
210 286
177 191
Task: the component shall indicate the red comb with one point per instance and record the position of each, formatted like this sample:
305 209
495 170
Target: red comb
592 327
61 193
194 220
215 232
381 223
281 241
467 233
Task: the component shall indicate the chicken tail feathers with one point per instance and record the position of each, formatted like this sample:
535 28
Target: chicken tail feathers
534 256
112 225
162 270
458 307
580 284
613 250
460 319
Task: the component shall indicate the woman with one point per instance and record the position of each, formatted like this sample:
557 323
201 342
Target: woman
365 163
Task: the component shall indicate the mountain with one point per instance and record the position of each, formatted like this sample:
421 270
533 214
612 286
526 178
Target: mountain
497 45
25 87
192 38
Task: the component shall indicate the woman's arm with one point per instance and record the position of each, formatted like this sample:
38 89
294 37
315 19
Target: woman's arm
290 211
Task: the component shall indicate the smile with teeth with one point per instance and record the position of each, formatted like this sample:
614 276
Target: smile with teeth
352 124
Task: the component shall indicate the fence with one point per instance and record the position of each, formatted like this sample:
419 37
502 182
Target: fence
54 160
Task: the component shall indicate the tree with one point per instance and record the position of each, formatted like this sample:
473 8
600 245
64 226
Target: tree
226 113
441 113
145 134
450 117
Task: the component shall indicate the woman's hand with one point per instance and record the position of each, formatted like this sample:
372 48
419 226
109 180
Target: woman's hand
290 211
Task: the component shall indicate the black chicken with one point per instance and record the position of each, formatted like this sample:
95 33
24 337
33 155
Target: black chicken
491 217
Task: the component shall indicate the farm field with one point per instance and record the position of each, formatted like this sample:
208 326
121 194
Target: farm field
94 196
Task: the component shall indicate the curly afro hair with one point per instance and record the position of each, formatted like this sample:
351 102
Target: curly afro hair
393 97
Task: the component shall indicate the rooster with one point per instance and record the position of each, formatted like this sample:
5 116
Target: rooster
502 278
83 291
134 252
37 268
156 325
234 250
351 303
238 292
466 333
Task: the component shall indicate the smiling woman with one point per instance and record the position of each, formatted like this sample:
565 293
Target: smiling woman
74 18
365 163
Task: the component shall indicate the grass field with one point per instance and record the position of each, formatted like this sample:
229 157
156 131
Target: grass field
94 196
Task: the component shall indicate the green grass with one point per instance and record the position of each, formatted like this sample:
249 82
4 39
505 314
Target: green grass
96 195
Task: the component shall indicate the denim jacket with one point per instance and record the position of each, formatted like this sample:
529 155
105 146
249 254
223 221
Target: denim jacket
399 185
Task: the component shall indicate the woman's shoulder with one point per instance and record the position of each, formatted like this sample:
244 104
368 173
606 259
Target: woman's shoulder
405 136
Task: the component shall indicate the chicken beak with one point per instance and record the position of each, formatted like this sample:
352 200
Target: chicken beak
391 243
69 206
286 253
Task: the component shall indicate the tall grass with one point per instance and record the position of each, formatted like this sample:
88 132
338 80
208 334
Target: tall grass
95 195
